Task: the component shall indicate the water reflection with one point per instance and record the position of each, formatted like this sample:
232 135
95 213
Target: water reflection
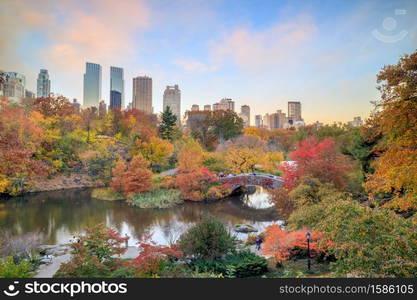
61 214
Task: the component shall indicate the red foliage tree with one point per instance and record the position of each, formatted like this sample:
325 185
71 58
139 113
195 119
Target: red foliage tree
194 185
152 257
282 244
319 159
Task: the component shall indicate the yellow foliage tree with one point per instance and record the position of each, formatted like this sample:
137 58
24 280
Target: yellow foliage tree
156 150
242 160
393 128
190 157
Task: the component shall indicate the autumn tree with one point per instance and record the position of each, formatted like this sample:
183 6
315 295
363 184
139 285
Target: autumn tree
118 178
190 157
20 138
53 106
242 160
195 184
156 150
319 159
167 127
393 127
282 244
138 178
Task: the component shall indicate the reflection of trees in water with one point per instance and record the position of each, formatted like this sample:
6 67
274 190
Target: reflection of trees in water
58 213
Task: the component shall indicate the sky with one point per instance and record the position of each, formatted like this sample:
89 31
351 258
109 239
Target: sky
325 54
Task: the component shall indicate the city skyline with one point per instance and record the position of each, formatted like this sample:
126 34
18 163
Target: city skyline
323 55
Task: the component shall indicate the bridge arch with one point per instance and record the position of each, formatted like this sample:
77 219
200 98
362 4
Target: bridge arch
267 181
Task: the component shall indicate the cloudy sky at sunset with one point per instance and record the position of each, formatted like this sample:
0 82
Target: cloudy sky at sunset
261 53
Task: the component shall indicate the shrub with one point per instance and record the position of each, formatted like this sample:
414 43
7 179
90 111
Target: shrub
160 198
153 258
241 264
10 269
93 254
208 239
365 242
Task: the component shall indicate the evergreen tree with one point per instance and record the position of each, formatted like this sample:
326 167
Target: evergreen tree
167 127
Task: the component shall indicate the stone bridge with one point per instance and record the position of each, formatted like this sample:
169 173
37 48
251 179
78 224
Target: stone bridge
267 181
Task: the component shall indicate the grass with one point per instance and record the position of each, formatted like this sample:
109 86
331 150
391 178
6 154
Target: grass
106 194
159 198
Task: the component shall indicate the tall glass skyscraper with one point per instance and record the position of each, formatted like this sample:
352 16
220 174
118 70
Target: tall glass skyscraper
117 85
92 85
43 84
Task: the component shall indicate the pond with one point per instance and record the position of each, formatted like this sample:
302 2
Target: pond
58 215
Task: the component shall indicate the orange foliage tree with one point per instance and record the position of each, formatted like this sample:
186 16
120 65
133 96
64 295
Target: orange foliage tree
138 178
282 244
118 173
195 184
393 128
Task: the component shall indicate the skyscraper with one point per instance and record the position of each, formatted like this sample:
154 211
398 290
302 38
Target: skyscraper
43 84
142 94
258 120
172 98
207 107
245 115
117 87
294 111
92 85
195 107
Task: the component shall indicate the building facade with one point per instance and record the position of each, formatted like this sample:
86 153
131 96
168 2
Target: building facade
245 115
117 87
43 84
115 99
207 107
13 88
142 94
195 107
258 120
92 85
357 122
172 99
294 111
29 94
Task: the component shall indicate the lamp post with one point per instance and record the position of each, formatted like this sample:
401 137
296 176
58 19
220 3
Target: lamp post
308 235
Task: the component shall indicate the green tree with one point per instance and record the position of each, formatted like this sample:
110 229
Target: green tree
226 125
167 128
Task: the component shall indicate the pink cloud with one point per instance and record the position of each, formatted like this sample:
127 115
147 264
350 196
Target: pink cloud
268 47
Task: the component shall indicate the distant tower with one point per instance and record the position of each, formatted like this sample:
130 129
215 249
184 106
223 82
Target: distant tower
207 107
142 94
172 98
102 108
294 111
43 84
117 85
195 107
92 85
245 115
258 120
